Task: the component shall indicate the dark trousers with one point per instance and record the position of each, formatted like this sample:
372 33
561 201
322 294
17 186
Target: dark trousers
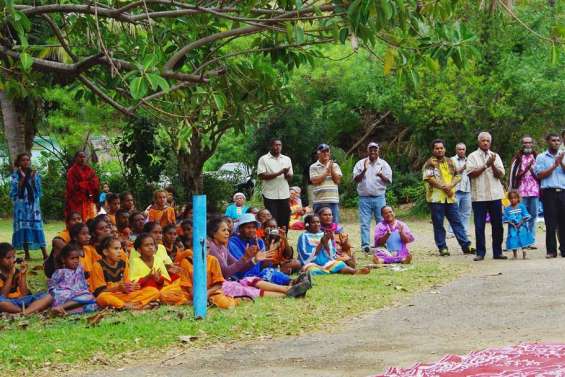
440 211
280 209
554 216
494 209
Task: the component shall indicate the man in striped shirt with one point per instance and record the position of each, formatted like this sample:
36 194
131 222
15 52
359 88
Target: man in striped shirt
325 176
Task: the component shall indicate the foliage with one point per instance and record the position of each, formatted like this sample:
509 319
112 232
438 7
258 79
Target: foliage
218 192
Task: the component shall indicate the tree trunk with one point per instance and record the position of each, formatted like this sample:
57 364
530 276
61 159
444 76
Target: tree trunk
191 163
15 130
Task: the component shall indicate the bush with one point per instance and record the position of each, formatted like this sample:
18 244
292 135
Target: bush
218 192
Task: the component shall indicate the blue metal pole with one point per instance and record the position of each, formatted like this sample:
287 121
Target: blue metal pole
199 285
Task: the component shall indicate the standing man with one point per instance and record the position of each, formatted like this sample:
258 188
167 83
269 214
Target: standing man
372 175
524 180
463 188
440 179
275 170
485 170
550 170
325 176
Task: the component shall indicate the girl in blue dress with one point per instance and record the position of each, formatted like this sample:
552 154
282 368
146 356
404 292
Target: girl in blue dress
516 216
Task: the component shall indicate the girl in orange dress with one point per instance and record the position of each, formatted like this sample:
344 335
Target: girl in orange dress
160 211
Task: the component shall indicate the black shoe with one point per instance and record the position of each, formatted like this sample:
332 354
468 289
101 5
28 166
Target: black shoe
367 250
469 250
298 290
478 258
302 277
549 256
444 252
500 257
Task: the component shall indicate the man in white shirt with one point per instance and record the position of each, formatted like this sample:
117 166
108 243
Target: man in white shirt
373 175
275 170
485 169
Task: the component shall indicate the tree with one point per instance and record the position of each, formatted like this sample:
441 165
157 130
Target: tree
137 56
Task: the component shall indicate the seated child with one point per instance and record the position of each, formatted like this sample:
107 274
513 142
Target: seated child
317 253
516 216
112 207
68 285
127 202
59 241
124 231
148 270
15 297
237 208
185 232
262 217
160 211
111 283
391 239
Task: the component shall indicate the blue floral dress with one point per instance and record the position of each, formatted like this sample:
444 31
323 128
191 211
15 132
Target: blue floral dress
517 238
28 224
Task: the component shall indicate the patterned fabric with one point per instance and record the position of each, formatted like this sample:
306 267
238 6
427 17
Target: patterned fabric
276 188
321 263
465 184
528 184
82 191
327 191
371 184
541 360
70 285
234 212
521 237
440 171
27 224
486 187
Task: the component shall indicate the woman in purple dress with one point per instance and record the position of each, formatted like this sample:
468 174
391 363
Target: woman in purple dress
391 239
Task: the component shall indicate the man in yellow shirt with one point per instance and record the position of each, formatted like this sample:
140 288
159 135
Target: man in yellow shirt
441 178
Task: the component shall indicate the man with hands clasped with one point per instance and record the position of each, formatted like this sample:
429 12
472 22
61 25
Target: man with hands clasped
485 169
373 175
549 169
441 178
325 176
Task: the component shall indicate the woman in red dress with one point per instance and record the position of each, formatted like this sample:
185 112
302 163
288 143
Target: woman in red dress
82 188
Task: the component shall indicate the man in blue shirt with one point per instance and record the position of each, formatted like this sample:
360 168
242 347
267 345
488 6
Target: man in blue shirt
550 170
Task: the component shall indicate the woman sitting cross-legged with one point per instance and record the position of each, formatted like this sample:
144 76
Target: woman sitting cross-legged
218 236
391 239
317 252
343 248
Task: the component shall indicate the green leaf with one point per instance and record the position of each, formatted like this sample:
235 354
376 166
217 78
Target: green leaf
343 33
389 59
298 34
26 60
138 87
149 62
298 4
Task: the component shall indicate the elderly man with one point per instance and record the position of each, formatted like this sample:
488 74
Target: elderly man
325 176
485 169
463 188
373 175
550 170
275 170
441 178
524 180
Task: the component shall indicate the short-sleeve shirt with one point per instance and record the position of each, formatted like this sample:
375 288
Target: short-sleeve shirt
557 177
371 184
327 191
485 187
442 171
465 184
164 216
14 291
213 271
105 276
276 188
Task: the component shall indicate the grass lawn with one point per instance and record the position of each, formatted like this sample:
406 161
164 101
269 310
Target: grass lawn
51 343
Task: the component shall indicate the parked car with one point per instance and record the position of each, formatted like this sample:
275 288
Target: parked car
239 175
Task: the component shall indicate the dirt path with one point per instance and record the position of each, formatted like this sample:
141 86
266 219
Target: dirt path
497 303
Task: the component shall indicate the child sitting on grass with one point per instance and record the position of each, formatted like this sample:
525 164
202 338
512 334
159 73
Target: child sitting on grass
516 216
15 297
160 211
68 285
110 279
148 270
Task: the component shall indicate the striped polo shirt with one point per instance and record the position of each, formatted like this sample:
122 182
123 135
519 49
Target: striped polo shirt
327 191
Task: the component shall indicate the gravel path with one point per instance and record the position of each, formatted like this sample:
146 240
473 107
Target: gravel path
497 303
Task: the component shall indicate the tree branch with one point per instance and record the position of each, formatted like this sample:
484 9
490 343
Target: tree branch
106 98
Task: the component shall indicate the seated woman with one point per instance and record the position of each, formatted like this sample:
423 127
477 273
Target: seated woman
15 296
278 247
136 223
297 212
238 207
184 231
246 238
160 211
231 268
127 202
391 239
60 241
262 216
317 253
343 248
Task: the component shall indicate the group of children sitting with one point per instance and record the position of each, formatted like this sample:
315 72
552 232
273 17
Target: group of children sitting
130 259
